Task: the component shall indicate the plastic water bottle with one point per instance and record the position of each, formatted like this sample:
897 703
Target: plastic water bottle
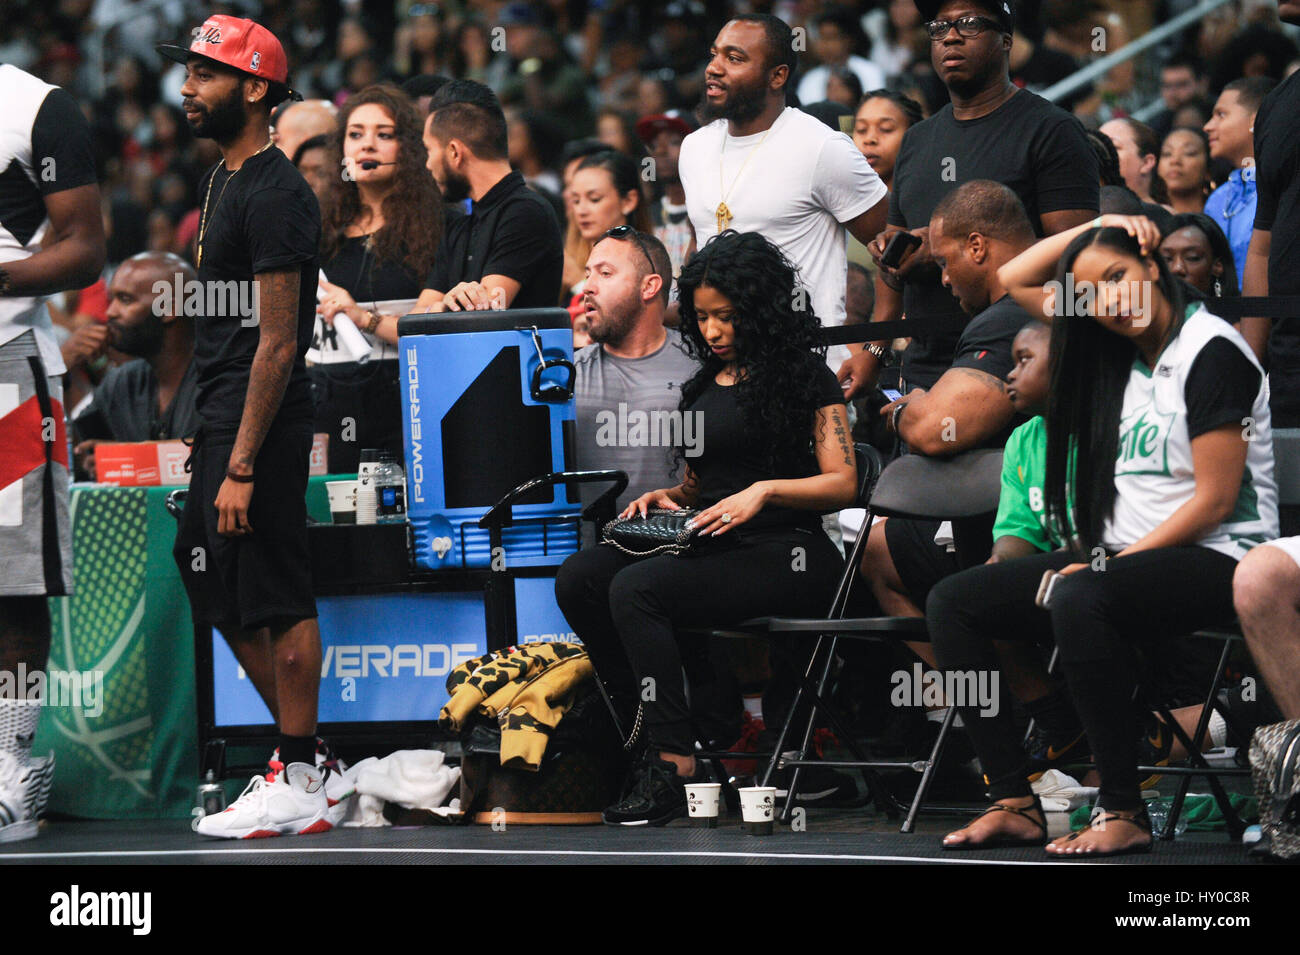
390 490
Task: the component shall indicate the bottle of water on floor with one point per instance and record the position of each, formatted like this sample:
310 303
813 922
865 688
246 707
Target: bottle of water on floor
390 490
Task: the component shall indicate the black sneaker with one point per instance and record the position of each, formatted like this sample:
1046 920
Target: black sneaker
1045 753
655 795
1154 747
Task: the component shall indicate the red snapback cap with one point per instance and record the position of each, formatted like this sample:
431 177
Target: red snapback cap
239 44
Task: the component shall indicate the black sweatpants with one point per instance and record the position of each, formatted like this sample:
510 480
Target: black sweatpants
626 611
1096 617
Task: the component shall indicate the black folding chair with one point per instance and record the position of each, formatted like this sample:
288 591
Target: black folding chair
963 487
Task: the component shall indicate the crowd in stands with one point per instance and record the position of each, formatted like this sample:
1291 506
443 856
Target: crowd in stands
703 188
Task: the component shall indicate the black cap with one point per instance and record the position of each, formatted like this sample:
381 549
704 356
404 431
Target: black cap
1004 11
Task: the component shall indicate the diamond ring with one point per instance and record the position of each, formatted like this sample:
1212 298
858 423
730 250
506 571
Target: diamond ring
726 518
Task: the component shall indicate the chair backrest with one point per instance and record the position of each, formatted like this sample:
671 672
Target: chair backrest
870 466
1286 468
917 486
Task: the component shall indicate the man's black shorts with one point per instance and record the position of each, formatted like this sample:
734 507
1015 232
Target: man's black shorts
264 578
920 562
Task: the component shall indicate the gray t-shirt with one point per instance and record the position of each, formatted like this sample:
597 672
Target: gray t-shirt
628 417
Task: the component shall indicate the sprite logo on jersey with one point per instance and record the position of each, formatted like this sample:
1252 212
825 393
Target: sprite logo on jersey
1144 441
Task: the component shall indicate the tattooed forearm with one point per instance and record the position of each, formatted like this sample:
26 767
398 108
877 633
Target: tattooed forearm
842 435
277 347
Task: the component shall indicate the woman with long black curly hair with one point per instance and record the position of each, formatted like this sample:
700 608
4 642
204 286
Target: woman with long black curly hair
381 222
774 454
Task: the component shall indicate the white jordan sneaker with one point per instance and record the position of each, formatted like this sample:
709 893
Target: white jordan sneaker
20 786
289 802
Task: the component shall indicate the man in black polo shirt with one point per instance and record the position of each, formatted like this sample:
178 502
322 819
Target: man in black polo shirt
508 252
242 542
990 130
1273 259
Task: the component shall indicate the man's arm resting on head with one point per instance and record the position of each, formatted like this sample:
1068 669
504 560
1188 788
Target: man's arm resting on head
73 253
964 409
1255 282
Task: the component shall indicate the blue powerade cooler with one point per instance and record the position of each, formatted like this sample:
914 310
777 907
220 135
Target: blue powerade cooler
487 405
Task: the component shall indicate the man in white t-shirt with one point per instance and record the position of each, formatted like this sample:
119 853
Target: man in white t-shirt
759 166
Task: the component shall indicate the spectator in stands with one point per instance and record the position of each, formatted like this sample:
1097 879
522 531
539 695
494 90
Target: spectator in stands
663 135
1182 80
535 144
1035 66
981 134
424 87
152 396
1185 169
839 42
382 223
1266 592
1157 547
881 120
312 159
1197 251
753 140
974 231
297 122
1273 262
776 452
616 128
631 367
843 88
607 193
1138 149
1232 205
896 33
508 254
1107 158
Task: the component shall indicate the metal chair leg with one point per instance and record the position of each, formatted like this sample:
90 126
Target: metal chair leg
928 775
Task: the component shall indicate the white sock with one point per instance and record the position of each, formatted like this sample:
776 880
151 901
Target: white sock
938 715
18 719
754 706
1217 730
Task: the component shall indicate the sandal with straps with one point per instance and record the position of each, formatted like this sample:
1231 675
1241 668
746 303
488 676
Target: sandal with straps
1002 839
1139 820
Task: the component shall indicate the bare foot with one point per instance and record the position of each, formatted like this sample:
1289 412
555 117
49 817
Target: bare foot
1114 833
1000 825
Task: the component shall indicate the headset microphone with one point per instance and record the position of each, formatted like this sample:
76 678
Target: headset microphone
368 164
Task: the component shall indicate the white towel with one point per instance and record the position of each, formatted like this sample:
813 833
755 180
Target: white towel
413 778
1060 792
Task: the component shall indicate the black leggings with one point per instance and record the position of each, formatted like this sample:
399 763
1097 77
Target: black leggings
626 611
1095 617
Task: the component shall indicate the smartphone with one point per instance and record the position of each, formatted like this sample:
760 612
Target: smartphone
1046 587
899 244
891 394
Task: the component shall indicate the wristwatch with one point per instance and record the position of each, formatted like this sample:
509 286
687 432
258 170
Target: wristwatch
4 282
882 356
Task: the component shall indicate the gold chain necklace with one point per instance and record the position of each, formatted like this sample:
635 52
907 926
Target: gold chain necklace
723 213
203 220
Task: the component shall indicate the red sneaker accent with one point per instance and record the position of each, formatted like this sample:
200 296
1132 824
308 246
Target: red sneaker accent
262 834
276 768
322 825
748 743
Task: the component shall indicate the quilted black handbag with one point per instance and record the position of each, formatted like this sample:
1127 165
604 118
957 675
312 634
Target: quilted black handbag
661 531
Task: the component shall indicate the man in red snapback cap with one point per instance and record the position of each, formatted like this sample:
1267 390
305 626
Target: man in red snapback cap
242 541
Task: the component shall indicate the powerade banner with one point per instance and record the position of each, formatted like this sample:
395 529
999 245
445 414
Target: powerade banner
383 657
539 619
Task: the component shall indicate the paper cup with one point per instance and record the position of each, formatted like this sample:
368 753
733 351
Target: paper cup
343 501
702 804
757 808
366 502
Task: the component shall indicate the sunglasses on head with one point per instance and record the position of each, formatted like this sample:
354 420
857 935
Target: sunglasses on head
625 232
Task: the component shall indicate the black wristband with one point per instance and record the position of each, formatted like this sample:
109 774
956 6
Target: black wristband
239 478
4 282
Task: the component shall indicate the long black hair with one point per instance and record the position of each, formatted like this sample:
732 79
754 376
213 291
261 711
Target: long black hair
1090 370
778 345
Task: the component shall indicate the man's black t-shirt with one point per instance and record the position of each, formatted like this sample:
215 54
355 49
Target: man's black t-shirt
512 232
261 218
1277 176
985 345
1034 148
730 460
125 407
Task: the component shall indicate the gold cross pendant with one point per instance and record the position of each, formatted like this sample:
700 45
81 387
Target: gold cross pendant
724 216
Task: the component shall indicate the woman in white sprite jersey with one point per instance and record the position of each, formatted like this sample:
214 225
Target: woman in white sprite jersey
1165 410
